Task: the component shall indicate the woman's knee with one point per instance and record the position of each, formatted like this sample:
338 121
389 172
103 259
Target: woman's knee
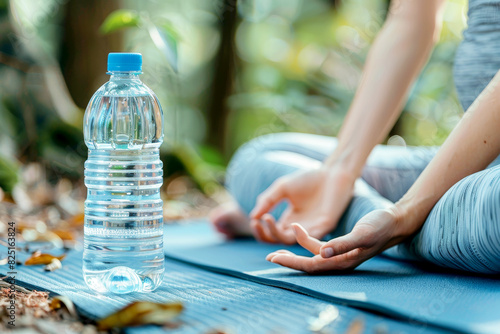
246 154
253 171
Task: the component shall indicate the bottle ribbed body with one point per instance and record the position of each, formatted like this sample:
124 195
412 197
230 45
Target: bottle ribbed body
123 230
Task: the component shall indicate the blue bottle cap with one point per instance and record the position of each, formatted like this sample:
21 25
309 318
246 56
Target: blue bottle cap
124 62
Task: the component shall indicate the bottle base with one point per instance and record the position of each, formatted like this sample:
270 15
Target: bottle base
122 280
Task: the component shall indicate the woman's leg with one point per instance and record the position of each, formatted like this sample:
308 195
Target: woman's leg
390 170
463 229
260 162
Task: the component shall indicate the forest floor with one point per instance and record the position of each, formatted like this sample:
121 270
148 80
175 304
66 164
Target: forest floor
50 217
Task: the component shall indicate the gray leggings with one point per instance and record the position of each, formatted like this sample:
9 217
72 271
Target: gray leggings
461 232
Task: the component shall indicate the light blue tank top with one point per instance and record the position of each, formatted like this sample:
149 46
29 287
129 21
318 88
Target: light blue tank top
478 57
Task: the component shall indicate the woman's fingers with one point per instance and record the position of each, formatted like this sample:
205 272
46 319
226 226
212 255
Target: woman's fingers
261 232
370 236
269 221
265 230
270 256
313 264
293 261
345 244
282 235
317 264
268 199
351 250
305 240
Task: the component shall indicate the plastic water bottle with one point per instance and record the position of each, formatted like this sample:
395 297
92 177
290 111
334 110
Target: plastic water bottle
123 231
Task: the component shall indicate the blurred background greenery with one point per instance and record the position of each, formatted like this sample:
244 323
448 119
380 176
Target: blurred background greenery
225 71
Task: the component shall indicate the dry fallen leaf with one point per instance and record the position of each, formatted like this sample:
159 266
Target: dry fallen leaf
42 258
53 265
141 313
59 302
76 220
64 235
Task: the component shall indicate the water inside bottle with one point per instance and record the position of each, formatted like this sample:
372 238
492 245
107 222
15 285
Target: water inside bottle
123 230
123 221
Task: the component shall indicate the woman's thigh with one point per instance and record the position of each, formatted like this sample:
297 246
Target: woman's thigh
463 229
392 170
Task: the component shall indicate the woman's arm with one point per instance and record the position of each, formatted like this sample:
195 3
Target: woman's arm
471 146
396 57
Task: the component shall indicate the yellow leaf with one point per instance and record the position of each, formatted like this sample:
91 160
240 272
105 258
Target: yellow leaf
76 220
64 235
53 265
59 302
42 258
141 313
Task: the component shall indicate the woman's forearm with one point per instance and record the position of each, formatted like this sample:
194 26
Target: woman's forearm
471 146
397 56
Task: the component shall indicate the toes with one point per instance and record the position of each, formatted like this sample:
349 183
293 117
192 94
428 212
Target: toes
229 220
223 227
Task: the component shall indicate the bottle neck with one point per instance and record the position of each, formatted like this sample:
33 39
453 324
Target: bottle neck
124 76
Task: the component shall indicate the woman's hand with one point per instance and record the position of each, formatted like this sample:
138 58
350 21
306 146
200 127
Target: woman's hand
316 198
374 233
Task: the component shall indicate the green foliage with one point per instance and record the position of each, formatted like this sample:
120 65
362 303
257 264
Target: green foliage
204 174
323 49
164 35
8 174
119 19
211 155
62 149
165 39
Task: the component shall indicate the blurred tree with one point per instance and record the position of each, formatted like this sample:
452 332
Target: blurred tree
84 50
218 110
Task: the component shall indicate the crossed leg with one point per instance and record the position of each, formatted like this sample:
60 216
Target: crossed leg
462 231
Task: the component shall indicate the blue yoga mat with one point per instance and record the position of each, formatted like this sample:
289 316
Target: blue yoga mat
212 301
420 296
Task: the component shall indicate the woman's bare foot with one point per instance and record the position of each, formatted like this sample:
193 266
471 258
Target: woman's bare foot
228 219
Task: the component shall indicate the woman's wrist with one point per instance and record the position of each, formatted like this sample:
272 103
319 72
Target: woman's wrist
345 163
410 213
335 172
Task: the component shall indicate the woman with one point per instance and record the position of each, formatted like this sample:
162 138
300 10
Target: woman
443 203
